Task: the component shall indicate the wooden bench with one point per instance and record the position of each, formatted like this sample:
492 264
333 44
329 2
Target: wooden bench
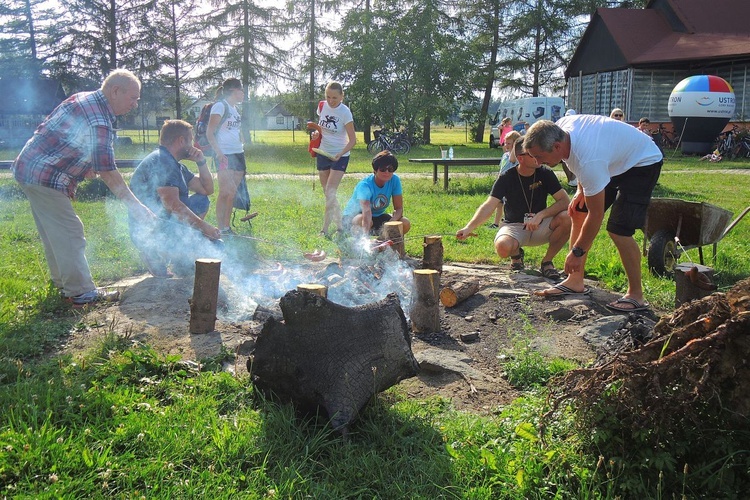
456 162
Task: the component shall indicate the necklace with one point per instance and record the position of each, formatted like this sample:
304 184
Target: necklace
523 190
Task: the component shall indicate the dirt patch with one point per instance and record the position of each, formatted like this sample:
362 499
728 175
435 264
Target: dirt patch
467 372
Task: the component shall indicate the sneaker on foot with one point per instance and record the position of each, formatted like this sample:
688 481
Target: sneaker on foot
96 295
155 266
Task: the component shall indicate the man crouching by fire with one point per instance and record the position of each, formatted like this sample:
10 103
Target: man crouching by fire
164 184
76 141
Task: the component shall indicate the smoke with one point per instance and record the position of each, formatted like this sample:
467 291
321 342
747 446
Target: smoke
360 277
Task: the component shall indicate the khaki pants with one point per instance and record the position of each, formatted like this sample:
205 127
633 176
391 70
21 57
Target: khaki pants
61 232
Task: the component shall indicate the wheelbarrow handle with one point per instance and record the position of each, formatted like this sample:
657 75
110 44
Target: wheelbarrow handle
734 223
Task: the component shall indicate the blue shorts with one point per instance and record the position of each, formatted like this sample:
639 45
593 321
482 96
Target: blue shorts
324 163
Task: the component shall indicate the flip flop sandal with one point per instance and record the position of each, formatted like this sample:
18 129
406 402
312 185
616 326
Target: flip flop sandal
549 272
562 291
517 266
637 306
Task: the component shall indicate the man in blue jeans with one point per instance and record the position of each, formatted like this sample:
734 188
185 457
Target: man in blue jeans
163 184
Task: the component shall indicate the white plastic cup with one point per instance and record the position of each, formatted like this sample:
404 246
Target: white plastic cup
443 154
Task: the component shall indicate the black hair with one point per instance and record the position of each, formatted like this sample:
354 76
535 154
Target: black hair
385 159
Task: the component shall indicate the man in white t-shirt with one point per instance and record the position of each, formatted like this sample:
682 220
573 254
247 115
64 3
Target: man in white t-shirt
616 166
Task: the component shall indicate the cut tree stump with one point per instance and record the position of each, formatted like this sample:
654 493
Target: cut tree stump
691 284
321 290
433 253
394 231
458 292
325 355
205 295
425 314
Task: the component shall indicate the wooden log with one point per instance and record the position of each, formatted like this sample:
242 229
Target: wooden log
394 231
205 295
458 292
321 290
692 283
433 253
425 313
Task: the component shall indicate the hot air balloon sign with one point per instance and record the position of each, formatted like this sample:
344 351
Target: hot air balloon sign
700 107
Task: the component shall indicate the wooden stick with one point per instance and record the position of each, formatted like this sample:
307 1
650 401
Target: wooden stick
433 253
458 292
394 231
321 290
425 314
205 296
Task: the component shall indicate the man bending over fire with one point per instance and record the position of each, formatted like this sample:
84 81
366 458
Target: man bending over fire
75 142
164 185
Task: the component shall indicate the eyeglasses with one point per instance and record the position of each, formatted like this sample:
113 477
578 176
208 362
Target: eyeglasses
386 169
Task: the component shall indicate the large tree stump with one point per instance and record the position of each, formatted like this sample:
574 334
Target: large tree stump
394 231
330 356
205 295
425 314
433 253
458 292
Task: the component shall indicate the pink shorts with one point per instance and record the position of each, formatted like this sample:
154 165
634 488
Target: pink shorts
524 237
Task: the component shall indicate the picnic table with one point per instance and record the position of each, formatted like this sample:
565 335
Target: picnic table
446 163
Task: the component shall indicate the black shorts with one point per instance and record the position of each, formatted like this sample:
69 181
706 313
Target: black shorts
377 222
629 195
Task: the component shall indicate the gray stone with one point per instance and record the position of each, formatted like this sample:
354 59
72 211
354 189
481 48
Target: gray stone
440 361
601 329
507 292
559 313
470 337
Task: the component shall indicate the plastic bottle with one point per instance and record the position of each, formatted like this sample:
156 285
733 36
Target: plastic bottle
450 153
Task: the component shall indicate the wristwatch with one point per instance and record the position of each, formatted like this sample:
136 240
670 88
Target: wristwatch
577 251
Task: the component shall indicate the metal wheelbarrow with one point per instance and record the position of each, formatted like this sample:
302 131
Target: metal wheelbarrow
674 226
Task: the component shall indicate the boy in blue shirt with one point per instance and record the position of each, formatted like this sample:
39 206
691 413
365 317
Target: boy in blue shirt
366 210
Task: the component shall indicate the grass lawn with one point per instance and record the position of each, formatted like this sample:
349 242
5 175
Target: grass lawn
128 422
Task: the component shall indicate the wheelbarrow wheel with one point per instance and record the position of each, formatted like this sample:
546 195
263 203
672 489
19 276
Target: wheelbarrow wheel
662 253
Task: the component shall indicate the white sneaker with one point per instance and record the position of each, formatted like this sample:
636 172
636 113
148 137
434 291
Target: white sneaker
96 295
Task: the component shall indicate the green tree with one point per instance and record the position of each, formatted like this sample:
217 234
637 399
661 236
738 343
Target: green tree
24 28
174 27
243 41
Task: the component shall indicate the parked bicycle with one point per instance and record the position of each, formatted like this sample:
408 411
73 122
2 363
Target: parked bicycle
384 140
733 143
666 138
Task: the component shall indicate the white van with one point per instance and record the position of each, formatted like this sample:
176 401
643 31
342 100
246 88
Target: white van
525 111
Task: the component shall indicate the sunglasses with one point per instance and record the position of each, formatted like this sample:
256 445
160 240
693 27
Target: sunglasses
387 169
617 116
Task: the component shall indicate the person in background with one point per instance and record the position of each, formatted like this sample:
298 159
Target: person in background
617 166
505 129
75 142
507 162
366 210
617 114
644 125
337 127
225 138
164 185
521 193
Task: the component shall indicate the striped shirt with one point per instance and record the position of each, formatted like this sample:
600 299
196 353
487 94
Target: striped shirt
75 138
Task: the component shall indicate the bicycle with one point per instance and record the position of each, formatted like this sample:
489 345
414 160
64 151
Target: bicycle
742 148
666 138
395 143
725 142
